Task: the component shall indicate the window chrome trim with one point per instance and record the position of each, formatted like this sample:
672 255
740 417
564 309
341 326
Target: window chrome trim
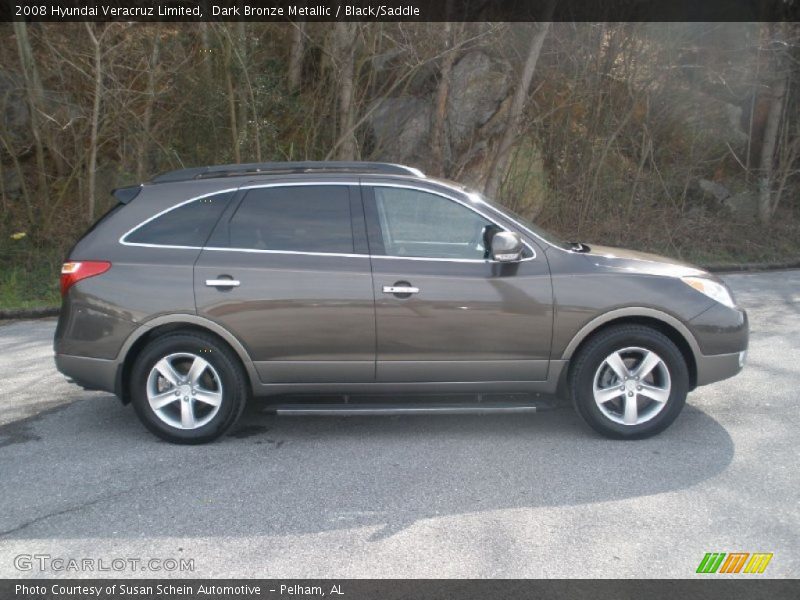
163 212
452 260
373 184
290 252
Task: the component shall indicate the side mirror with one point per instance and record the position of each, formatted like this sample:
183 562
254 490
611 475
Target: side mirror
506 247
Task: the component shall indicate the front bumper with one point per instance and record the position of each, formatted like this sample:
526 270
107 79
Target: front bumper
722 336
89 373
719 366
721 330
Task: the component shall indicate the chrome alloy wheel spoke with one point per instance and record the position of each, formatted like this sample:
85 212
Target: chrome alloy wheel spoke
650 361
167 371
208 397
188 420
617 365
654 393
631 415
159 401
197 369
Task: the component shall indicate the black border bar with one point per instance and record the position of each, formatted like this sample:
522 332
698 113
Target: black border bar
398 10
710 588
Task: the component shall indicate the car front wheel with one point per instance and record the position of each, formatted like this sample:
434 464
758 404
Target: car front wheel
629 382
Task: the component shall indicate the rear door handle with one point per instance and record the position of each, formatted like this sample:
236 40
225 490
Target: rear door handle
400 289
223 282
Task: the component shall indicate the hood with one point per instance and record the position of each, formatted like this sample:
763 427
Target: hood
633 261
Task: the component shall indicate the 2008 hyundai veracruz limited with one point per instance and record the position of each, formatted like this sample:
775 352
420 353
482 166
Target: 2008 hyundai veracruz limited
208 286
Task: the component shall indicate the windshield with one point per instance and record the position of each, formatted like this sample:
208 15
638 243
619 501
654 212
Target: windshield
548 237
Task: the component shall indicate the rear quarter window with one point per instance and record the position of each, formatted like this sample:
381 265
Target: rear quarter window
188 224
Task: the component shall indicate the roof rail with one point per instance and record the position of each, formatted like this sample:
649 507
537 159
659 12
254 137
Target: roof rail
271 168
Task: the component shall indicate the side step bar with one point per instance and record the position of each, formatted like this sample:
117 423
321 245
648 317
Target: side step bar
337 410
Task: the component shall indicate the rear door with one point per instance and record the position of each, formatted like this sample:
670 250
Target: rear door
287 272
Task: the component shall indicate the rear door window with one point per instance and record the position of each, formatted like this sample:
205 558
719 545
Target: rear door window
189 224
304 218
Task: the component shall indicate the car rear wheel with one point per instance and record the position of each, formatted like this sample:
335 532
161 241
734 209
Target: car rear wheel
629 382
187 388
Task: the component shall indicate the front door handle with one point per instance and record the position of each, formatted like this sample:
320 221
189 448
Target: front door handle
223 282
401 289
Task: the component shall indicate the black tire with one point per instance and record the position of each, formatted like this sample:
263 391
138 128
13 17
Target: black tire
234 389
594 353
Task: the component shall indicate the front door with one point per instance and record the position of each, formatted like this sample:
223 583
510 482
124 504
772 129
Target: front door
444 310
287 272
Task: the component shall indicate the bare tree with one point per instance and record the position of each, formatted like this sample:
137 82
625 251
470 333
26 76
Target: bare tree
768 151
244 90
35 95
502 155
344 34
439 122
147 117
97 47
295 70
205 52
770 140
231 93
628 119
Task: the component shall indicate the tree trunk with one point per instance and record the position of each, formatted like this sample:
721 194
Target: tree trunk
243 86
344 42
502 155
768 151
34 94
237 156
295 74
93 141
205 49
147 117
439 139
32 221
3 188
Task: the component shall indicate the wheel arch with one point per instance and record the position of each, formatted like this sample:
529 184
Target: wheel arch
160 326
662 322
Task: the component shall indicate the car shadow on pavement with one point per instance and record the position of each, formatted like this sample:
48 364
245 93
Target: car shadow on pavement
90 470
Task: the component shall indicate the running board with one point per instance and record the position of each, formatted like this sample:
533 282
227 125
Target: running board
338 410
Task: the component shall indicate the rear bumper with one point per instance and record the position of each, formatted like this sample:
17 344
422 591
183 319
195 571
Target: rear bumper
719 366
89 373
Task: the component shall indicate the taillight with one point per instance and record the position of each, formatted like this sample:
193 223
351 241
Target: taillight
73 272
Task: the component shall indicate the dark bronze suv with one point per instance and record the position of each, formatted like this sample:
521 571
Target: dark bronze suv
207 286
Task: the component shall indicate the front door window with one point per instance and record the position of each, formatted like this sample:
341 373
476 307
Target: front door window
419 224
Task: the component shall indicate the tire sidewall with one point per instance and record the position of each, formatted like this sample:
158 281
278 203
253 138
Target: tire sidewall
233 398
596 353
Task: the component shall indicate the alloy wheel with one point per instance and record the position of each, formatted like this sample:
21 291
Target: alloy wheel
632 385
184 390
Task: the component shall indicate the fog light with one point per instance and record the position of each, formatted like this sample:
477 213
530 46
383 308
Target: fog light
742 358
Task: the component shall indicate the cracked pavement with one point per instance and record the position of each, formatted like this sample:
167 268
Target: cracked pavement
436 496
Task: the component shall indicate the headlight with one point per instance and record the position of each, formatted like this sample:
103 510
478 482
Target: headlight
712 289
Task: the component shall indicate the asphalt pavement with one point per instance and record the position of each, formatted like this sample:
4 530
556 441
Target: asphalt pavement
438 496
